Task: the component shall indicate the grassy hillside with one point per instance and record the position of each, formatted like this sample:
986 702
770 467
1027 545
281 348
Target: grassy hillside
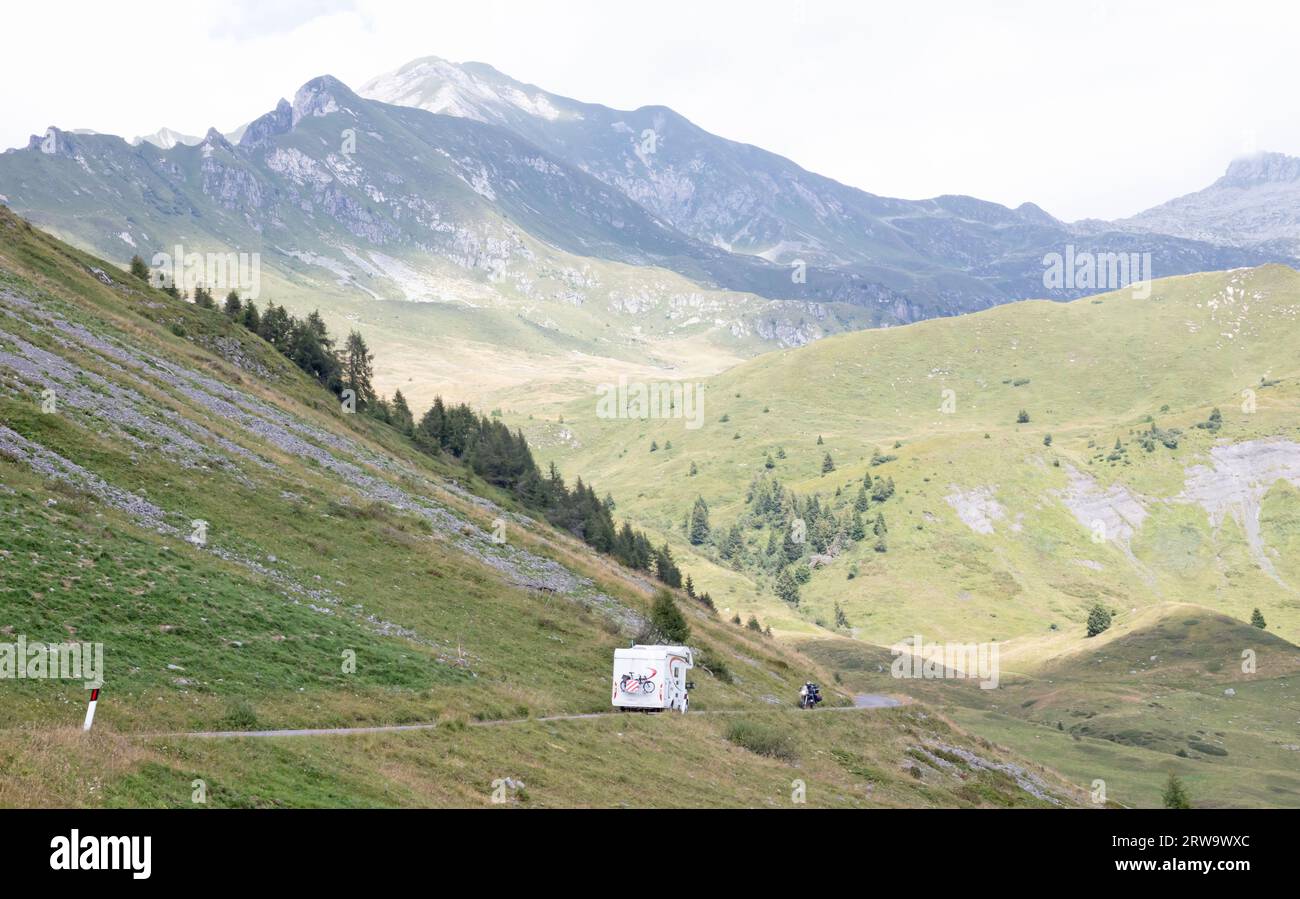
1163 690
126 417
1154 470
992 531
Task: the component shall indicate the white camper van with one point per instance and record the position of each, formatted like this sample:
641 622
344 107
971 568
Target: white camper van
652 678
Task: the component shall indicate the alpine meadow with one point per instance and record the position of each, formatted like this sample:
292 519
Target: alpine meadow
433 439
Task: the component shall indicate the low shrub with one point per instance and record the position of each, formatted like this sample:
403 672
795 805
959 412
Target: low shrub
761 739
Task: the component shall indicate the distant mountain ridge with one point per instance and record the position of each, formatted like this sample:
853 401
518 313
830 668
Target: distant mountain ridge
958 253
432 228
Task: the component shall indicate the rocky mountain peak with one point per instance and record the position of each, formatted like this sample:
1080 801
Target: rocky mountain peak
216 140
263 128
471 90
54 142
320 97
1261 168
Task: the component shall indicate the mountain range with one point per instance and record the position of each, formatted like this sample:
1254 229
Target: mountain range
451 206
956 252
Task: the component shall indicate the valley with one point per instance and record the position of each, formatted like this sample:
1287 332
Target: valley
343 578
881 421
1155 475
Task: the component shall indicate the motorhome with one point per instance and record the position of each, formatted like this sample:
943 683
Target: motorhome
652 678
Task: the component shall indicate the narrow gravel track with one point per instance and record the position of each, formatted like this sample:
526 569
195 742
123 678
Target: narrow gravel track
860 701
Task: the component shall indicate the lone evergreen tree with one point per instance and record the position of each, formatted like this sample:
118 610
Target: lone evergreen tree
1174 794
139 269
668 619
828 464
233 304
1098 620
1257 619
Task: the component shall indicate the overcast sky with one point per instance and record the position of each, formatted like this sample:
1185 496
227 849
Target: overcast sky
1088 108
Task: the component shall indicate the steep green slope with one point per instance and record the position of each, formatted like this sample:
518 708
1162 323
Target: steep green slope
341 578
994 533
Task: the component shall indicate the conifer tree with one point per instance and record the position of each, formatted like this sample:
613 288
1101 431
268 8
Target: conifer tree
857 530
139 269
791 550
403 420
1174 794
787 588
699 529
668 620
1098 620
249 318
358 368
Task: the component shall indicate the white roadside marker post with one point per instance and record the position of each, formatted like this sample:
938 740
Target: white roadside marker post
90 709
